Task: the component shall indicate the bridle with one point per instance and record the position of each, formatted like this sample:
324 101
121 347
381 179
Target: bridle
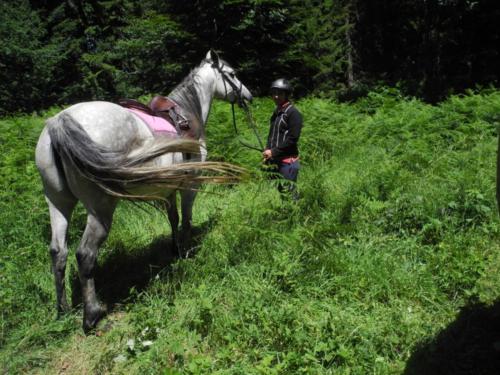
241 102
219 67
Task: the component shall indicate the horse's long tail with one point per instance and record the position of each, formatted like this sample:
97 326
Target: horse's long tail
118 171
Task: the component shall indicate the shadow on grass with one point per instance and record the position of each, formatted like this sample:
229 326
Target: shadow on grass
469 345
124 273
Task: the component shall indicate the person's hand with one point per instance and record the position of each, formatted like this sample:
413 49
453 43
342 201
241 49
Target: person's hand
267 154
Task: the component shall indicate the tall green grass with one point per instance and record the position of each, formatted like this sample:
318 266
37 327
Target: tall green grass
395 233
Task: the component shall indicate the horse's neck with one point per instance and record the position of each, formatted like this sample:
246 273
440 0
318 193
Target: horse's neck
205 88
206 99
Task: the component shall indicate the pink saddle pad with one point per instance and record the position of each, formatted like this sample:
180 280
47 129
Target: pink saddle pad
156 124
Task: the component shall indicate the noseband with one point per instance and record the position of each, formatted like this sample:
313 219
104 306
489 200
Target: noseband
227 79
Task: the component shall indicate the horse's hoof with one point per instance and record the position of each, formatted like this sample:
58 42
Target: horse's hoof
91 317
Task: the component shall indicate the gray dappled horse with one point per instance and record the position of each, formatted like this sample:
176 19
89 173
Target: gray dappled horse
98 152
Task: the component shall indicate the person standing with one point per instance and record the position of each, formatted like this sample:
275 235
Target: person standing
282 152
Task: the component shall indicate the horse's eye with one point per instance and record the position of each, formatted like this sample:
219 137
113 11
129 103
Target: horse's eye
232 74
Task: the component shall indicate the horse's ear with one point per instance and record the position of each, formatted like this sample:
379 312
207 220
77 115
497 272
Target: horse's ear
213 57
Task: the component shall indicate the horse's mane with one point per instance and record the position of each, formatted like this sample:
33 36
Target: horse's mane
185 95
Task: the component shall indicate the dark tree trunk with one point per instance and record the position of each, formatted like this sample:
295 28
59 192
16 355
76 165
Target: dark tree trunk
350 22
349 57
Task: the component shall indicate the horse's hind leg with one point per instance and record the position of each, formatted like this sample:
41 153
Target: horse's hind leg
61 204
60 215
96 231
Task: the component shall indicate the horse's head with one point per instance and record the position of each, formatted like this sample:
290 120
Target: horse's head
227 85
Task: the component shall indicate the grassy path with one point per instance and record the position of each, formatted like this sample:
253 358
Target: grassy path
388 264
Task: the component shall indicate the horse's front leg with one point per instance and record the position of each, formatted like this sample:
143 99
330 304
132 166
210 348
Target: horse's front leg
96 231
188 196
187 201
173 218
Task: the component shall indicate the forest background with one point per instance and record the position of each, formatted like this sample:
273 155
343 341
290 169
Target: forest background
59 52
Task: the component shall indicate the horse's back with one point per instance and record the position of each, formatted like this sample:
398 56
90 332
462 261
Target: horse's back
108 124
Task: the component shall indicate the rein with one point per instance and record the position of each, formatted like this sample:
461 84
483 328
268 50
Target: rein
245 107
251 122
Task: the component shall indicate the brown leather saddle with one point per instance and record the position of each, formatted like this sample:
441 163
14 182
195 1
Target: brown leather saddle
161 106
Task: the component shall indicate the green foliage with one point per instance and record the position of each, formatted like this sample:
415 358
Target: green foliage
252 35
395 232
318 47
63 52
149 55
26 63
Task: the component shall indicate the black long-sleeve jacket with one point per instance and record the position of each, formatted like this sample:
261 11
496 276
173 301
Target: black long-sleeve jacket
284 133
